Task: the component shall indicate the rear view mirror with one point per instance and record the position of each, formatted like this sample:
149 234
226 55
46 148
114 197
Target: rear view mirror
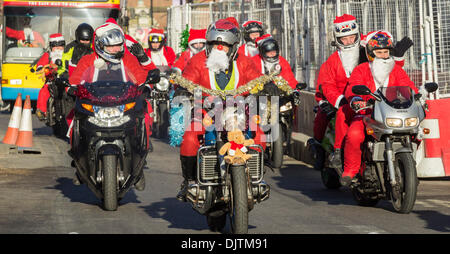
431 87
361 90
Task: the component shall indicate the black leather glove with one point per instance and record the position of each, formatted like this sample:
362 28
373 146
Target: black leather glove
402 46
138 51
328 109
342 102
153 76
296 97
301 86
271 89
181 91
71 90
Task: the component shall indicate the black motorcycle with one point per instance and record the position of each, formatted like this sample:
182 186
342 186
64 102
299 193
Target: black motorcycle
161 104
59 106
59 103
109 139
281 144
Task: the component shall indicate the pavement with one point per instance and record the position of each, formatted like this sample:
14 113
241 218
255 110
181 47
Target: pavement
47 151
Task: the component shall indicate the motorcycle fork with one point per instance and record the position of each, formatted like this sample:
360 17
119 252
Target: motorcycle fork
390 161
155 111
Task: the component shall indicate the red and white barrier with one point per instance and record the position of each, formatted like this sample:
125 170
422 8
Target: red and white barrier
433 153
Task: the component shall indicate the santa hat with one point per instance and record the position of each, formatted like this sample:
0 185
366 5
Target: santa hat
345 25
55 37
157 32
251 21
233 20
196 36
260 40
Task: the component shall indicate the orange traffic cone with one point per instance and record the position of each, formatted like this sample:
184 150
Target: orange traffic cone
14 122
25 138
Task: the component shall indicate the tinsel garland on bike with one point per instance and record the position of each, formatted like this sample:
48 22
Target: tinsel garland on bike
253 86
177 122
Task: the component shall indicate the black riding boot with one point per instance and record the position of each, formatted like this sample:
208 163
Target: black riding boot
188 168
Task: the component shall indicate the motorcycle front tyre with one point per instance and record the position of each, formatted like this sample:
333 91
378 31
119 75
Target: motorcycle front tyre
109 184
239 208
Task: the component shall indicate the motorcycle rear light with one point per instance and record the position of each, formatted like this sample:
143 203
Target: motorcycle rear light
369 131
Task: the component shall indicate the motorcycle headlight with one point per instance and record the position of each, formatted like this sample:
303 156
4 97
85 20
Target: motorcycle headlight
394 122
286 107
163 85
411 122
109 116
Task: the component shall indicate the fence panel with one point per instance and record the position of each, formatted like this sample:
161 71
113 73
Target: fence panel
304 29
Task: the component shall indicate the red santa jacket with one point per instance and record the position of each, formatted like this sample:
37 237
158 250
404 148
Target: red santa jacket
362 75
243 50
333 79
44 60
168 52
198 73
87 71
181 62
20 35
285 73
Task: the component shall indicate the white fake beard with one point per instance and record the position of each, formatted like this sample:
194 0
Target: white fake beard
381 68
55 55
158 58
252 50
349 59
217 61
270 68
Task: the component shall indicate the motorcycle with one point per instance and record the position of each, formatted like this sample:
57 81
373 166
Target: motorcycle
276 148
59 103
109 139
161 104
224 188
388 169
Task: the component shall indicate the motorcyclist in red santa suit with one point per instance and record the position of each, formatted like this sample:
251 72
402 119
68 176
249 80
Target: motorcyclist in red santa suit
159 53
111 61
56 45
333 78
251 30
269 60
380 71
196 43
218 67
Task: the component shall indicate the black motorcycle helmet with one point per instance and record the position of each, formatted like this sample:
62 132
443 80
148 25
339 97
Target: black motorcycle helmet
84 32
266 44
252 26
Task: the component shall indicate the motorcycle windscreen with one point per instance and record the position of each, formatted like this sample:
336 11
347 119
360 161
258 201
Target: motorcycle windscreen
399 97
108 92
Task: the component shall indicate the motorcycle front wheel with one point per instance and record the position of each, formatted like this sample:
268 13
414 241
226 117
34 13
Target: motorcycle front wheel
239 201
404 195
277 148
109 183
